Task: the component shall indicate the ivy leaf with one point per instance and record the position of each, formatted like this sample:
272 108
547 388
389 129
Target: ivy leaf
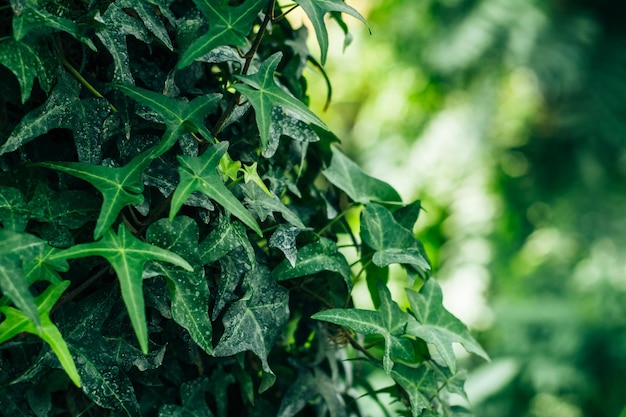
233 268
179 116
119 186
284 125
28 62
14 212
200 174
254 322
228 25
316 9
436 325
264 94
419 384
16 322
64 110
15 249
264 204
225 237
392 242
189 291
344 174
389 322
193 396
146 11
308 385
322 255
284 238
127 255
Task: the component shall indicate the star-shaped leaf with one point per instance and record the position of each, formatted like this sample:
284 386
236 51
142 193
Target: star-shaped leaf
127 255
436 325
254 322
265 204
346 175
228 25
200 174
316 9
264 94
189 291
179 116
16 322
119 186
284 238
389 322
419 384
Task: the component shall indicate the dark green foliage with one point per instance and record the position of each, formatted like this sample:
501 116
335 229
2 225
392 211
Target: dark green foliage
170 212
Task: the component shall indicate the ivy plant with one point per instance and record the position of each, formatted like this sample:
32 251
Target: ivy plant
174 224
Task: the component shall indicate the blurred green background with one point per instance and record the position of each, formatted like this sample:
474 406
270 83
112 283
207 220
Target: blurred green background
507 118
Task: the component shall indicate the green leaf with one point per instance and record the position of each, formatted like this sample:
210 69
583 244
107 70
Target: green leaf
307 386
193 396
179 116
14 213
27 62
16 322
436 325
284 125
15 249
189 291
316 9
254 322
264 94
284 238
119 186
264 205
200 174
127 255
344 174
233 267
389 322
419 384
151 20
225 237
322 255
65 110
392 242
228 25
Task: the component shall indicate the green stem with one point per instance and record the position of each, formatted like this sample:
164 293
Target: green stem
335 220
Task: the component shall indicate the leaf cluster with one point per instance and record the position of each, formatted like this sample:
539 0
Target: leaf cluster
170 212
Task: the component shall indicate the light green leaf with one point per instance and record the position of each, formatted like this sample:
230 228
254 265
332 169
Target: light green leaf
189 291
16 249
27 62
200 174
392 242
179 116
254 322
316 9
389 322
419 384
344 174
119 186
322 255
228 25
264 205
264 94
16 322
127 255
436 325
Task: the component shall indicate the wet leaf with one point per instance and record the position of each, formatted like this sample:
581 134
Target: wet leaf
389 322
233 267
120 187
282 124
313 258
284 238
305 388
127 255
264 205
228 25
316 9
200 174
226 236
264 94
254 322
419 384
189 291
179 115
344 174
16 322
14 213
151 20
436 325
27 62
